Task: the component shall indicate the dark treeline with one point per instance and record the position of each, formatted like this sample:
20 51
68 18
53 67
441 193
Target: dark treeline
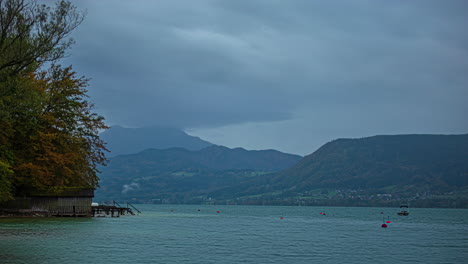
48 130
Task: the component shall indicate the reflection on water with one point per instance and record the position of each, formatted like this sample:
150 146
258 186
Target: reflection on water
249 234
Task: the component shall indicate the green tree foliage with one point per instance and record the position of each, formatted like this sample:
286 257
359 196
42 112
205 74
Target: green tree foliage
31 34
5 184
48 130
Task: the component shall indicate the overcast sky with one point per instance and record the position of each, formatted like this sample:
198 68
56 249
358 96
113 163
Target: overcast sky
287 75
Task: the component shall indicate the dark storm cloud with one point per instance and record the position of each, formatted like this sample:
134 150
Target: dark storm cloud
165 65
212 63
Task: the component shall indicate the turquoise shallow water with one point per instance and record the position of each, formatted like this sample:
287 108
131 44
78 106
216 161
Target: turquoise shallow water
241 234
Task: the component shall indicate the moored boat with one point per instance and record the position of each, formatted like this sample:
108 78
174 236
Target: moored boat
404 210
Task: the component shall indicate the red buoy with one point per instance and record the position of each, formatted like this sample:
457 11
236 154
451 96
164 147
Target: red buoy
321 213
172 210
281 218
218 212
384 225
388 222
198 210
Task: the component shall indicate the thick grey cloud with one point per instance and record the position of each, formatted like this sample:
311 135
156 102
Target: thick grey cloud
252 73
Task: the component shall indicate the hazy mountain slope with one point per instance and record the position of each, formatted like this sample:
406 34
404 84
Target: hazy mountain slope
428 170
394 167
133 140
375 162
177 172
213 157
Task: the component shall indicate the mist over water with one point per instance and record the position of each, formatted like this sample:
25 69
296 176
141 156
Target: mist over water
241 234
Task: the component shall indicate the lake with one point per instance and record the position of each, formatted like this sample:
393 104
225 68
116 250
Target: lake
241 234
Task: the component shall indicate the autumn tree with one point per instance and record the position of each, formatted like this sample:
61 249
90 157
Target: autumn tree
63 148
48 130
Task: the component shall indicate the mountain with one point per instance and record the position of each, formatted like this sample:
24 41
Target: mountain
434 161
122 140
390 167
179 174
425 170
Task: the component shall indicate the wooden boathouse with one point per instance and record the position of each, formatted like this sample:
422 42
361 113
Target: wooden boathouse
66 202
74 202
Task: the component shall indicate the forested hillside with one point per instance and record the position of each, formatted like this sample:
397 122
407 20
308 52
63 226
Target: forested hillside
180 175
367 170
428 170
419 162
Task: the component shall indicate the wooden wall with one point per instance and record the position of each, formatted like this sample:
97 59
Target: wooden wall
48 206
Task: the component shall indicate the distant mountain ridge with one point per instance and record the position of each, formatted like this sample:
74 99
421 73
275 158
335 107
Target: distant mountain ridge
380 161
214 157
122 140
398 166
427 170
177 172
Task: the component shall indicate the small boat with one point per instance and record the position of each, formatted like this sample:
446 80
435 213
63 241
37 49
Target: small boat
404 210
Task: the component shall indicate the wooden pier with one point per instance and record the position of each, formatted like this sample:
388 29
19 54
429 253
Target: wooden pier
114 210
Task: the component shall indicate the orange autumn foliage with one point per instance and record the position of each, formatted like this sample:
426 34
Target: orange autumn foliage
64 149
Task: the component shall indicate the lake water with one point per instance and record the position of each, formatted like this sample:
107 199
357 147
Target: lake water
241 234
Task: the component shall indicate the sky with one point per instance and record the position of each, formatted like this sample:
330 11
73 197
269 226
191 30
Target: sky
275 74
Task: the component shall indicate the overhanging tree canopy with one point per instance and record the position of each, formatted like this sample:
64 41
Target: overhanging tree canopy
48 130
31 34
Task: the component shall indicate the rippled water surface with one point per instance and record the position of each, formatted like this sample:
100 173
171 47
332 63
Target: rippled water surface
241 234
